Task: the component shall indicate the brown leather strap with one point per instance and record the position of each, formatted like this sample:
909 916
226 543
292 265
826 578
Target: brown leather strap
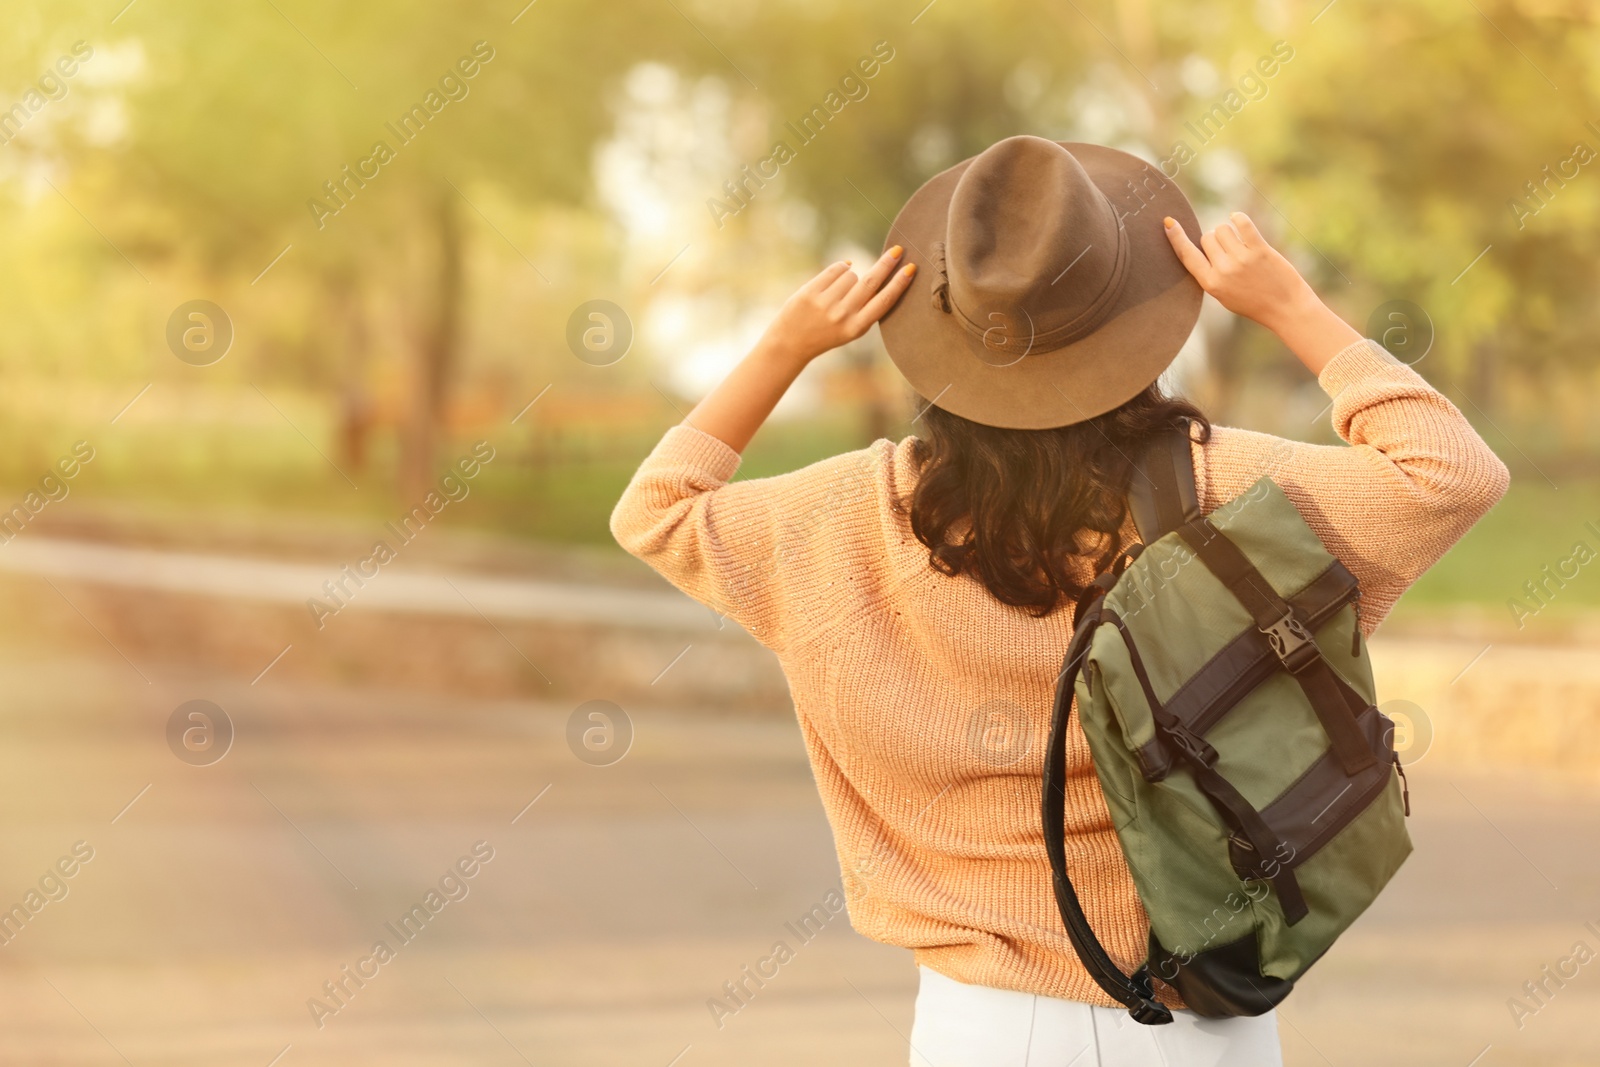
1242 665
1255 848
1233 569
1324 800
1290 639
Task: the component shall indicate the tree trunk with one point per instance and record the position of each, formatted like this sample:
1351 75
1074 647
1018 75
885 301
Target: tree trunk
1483 379
1217 389
436 354
355 401
874 407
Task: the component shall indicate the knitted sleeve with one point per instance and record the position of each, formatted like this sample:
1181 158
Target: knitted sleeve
1414 479
758 551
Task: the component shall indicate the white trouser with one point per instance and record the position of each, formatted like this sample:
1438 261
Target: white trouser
960 1025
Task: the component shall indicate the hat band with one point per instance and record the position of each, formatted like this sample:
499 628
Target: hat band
1082 325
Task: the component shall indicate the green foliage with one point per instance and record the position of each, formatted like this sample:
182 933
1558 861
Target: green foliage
1386 155
1397 143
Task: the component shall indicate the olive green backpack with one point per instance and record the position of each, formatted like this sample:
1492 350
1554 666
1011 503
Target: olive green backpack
1229 711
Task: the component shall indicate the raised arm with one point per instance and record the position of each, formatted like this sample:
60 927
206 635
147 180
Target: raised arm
1416 475
830 310
1249 277
747 549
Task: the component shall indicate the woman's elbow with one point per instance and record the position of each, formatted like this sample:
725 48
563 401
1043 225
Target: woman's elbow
651 531
1473 487
630 527
1499 481
1484 483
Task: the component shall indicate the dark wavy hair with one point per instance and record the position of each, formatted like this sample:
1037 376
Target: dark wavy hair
1022 509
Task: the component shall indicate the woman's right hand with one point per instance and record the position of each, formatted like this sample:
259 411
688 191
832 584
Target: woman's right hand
1249 277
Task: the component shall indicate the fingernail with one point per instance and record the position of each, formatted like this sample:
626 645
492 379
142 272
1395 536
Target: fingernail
1169 222
911 270
849 262
896 251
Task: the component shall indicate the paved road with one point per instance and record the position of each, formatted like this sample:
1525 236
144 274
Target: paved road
220 899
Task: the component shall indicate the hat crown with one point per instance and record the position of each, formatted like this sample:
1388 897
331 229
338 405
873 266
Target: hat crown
1034 252
1051 292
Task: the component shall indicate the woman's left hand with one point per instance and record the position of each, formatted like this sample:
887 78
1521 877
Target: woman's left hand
836 307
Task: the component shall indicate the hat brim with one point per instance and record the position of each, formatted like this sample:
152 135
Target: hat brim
1151 319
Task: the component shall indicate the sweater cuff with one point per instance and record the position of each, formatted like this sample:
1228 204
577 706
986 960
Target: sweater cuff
1364 359
685 446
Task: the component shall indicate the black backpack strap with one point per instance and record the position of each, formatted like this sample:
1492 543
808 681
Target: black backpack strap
1133 991
1162 498
1162 493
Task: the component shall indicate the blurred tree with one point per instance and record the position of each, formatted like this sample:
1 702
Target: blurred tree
346 135
1400 145
1390 146
1388 153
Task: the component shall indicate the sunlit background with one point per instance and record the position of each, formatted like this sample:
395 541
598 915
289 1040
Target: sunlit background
284 281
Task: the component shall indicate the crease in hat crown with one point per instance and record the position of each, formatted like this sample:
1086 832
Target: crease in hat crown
1023 216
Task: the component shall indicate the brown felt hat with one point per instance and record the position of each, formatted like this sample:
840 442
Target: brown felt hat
1046 291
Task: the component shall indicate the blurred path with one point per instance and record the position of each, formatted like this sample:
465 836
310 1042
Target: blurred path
396 589
603 639
620 899
1481 699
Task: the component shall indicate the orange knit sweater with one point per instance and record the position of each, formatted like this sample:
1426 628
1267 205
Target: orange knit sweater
896 670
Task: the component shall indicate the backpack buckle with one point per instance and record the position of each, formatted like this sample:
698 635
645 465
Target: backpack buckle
1194 747
1291 642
